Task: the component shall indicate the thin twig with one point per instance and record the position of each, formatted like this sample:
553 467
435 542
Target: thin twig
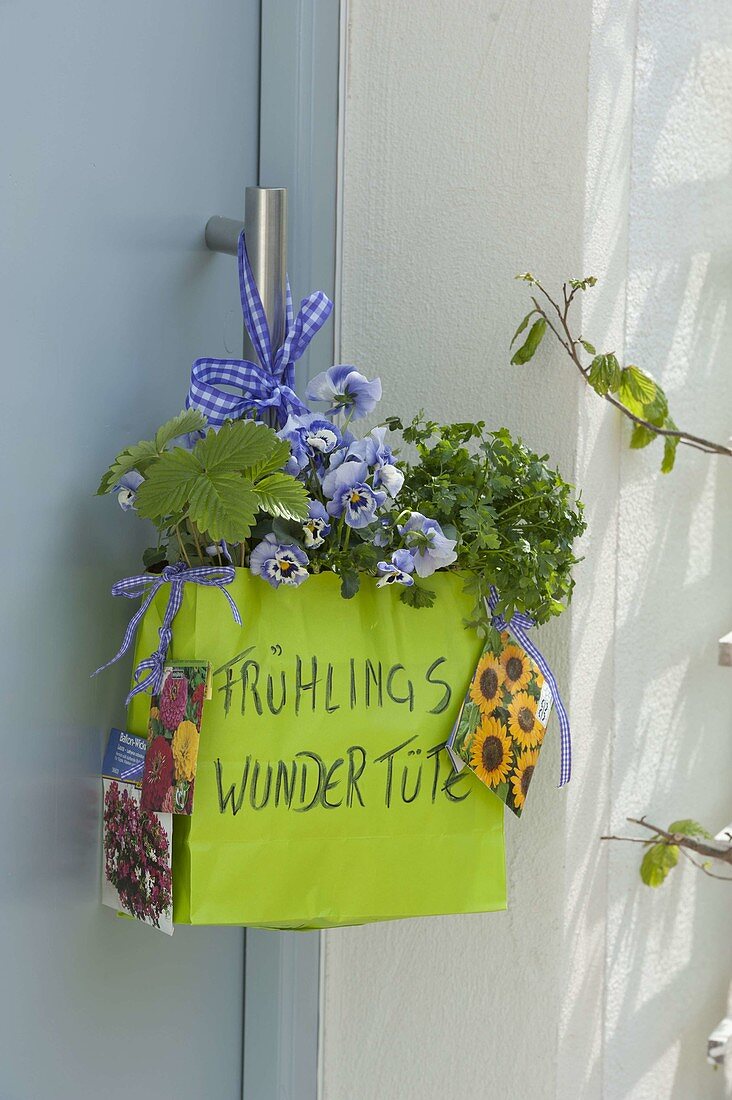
569 343
703 867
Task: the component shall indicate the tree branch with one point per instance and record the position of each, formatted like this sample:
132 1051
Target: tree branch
570 344
712 849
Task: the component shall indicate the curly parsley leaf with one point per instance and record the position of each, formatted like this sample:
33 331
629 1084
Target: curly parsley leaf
417 596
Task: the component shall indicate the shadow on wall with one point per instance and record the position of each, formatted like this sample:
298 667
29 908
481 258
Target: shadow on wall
668 954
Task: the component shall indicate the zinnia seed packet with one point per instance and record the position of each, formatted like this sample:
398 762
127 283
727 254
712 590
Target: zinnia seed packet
502 723
173 734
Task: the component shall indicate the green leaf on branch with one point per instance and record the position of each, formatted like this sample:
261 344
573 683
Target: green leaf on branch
688 827
604 374
637 390
215 481
583 284
236 446
527 277
670 445
521 327
224 505
168 485
530 345
154 555
589 348
658 861
190 420
141 455
641 437
137 457
417 596
276 459
281 495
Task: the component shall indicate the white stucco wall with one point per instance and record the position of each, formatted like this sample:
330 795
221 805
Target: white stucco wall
482 139
670 954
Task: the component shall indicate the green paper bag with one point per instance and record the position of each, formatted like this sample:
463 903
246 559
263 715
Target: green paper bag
324 795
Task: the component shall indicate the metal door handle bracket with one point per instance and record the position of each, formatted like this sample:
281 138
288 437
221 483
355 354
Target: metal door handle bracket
222 234
265 228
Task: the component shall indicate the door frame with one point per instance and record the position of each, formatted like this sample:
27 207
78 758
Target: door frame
301 73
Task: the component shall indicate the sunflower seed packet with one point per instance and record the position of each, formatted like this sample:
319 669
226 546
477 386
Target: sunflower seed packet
502 723
173 734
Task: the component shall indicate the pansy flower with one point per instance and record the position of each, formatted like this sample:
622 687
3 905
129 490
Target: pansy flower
126 489
310 436
345 390
396 571
373 450
187 441
431 548
321 436
220 549
316 526
391 477
350 496
279 563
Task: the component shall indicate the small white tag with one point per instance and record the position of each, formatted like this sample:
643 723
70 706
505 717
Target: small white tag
457 761
545 704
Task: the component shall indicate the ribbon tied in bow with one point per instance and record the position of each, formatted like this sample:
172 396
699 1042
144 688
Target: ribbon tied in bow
146 585
269 383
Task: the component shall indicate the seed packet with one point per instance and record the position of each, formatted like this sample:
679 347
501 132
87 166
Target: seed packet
137 877
125 757
173 734
501 726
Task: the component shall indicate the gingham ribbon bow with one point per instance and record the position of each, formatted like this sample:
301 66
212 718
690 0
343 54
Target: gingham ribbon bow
146 585
268 384
518 625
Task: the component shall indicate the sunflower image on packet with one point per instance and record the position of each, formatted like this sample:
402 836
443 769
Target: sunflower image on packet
502 722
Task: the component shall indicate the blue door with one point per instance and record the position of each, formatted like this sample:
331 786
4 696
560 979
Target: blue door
124 126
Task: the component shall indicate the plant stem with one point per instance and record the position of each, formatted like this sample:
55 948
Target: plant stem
182 547
569 343
523 503
194 532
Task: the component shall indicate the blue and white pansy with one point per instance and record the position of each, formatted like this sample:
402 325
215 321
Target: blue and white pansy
310 437
378 456
346 391
351 496
279 563
431 548
396 571
126 489
316 527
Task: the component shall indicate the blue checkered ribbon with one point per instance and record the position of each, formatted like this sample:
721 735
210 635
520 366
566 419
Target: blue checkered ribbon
518 625
269 383
146 585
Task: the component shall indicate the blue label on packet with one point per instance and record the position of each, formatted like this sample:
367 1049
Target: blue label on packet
125 757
